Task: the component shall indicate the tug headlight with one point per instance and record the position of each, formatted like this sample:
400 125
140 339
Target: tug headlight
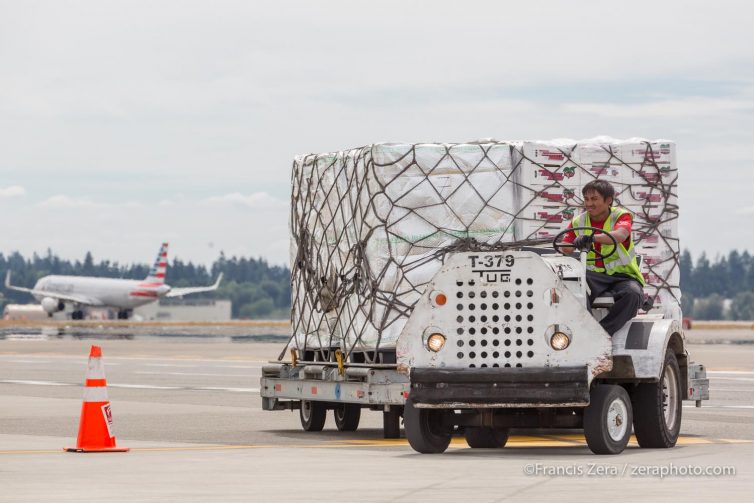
435 342
559 341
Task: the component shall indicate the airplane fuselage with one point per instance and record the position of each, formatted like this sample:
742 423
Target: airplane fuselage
117 293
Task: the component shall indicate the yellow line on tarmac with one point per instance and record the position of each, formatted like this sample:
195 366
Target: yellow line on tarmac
561 441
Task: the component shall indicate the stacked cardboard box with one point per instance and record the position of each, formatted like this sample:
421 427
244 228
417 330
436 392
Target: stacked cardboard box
644 175
549 182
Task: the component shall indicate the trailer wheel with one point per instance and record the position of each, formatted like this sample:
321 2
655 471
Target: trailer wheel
657 421
607 419
427 430
481 437
313 415
347 416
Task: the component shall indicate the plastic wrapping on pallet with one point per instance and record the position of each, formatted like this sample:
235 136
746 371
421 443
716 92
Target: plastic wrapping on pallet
370 226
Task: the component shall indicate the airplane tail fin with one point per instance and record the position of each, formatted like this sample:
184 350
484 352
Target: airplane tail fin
160 267
11 287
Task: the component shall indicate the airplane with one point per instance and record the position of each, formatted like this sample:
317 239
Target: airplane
54 292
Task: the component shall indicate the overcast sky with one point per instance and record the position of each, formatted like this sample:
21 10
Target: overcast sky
123 124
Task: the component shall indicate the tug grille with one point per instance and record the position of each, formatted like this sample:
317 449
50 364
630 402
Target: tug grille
494 323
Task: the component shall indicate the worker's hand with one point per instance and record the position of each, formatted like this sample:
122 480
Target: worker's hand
584 242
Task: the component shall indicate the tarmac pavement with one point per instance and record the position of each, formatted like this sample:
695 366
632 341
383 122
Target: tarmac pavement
191 412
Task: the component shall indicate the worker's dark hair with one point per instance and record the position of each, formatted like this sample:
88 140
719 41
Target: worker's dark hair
601 187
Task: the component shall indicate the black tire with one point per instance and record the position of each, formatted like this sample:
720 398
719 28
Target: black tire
428 430
479 437
313 415
657 421
347 416
607 419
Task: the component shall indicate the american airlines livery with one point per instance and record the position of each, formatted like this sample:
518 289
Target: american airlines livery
54 292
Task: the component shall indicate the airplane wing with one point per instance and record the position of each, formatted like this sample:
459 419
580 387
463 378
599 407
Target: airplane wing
66 297
180 292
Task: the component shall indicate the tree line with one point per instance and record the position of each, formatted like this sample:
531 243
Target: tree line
712 289
255 288
722 288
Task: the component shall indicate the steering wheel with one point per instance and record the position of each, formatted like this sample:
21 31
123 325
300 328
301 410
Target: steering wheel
597 255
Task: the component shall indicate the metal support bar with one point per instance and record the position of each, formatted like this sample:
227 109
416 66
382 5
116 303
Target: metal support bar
391 422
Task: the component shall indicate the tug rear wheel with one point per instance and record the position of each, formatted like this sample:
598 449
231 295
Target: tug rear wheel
427 430
347 416
607 419
312 415
657 422
479 437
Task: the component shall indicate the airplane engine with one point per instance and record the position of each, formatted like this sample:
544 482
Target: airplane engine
51 305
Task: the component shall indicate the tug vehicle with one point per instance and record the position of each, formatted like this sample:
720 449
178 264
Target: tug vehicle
504 339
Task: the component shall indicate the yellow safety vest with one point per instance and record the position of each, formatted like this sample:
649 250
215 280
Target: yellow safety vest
623 261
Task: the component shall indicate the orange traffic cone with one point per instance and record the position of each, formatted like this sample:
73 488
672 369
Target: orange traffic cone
96 425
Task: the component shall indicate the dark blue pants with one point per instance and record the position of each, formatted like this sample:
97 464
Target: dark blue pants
627 295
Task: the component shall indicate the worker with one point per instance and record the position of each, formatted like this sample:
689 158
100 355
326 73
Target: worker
618 274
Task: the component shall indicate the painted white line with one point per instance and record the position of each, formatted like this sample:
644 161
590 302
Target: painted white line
258 363
743 372
141 386
77 362
746 379
743 407
189 374
196 365
232 390
179 365
37 383
233 361
135 386
27 361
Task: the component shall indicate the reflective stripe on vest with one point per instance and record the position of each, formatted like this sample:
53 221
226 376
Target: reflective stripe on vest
623 261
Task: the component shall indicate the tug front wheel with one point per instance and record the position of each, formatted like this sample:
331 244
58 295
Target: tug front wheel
607 419
427 430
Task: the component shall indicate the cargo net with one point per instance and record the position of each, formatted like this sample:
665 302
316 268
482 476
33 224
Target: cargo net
370 227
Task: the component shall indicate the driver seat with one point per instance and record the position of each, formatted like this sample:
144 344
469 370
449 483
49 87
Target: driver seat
603 302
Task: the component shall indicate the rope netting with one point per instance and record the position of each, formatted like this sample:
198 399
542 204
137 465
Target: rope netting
371 226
